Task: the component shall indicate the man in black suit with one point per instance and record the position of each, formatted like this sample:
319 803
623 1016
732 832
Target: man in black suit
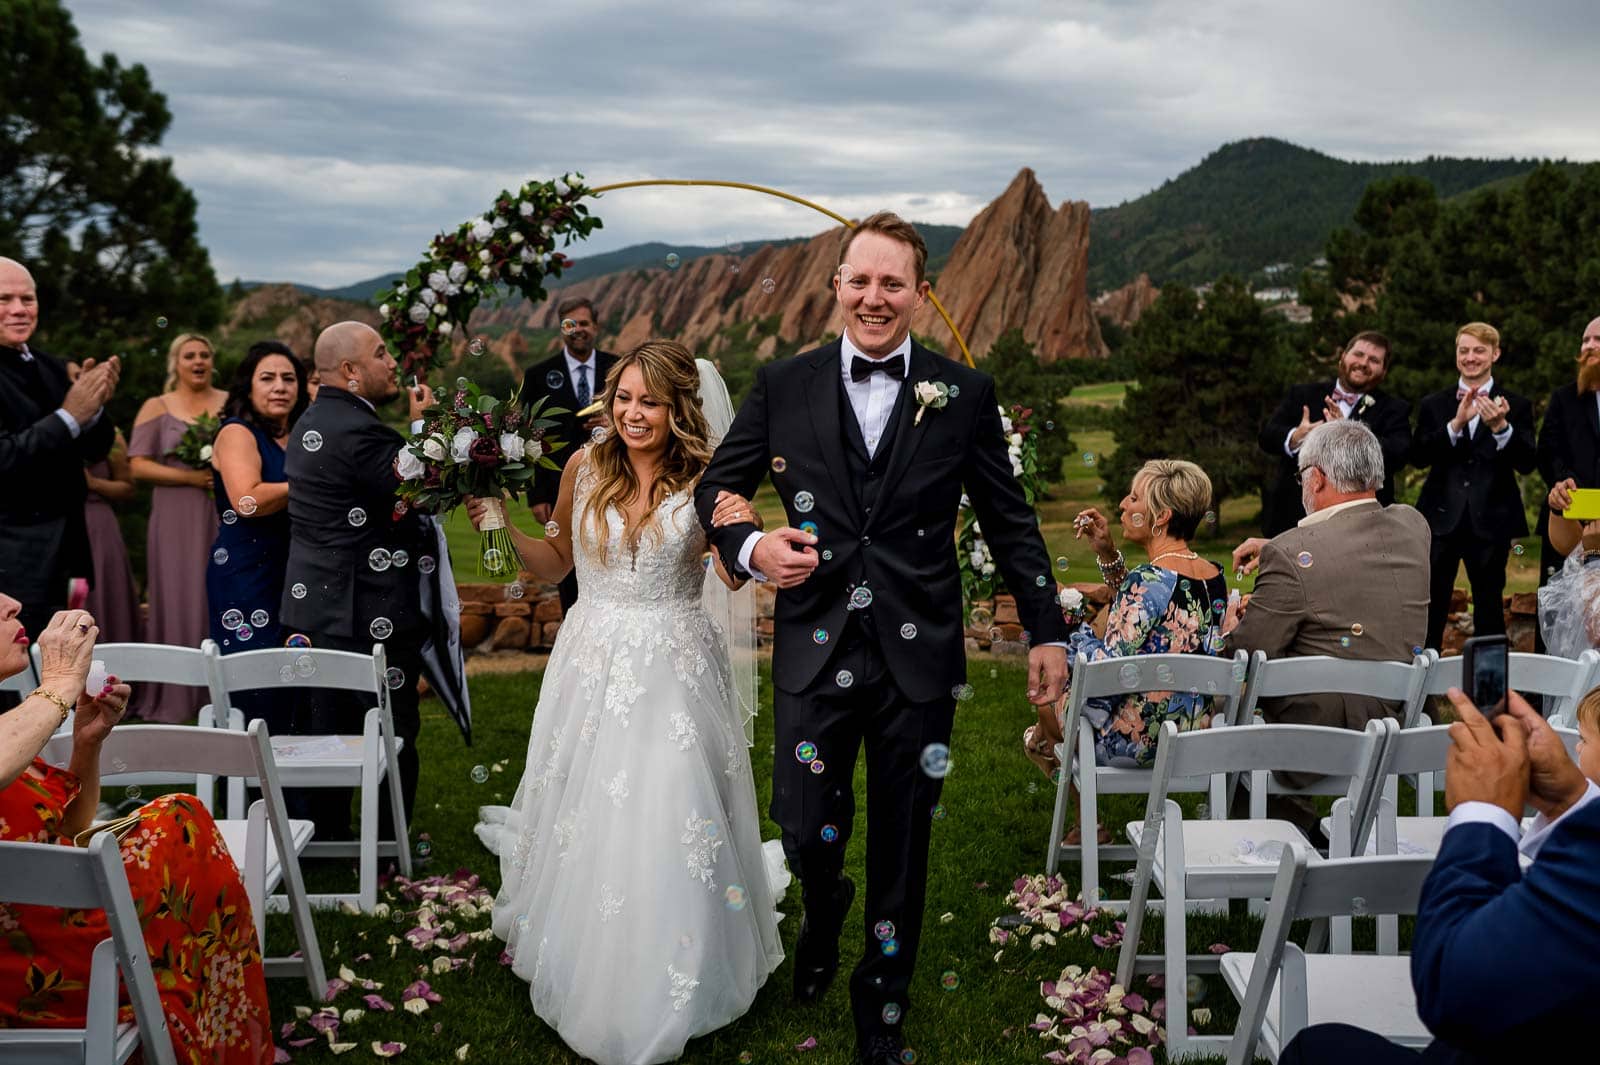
1569 443
49 427
355 555
870 441
1476 437
569 381
1353 394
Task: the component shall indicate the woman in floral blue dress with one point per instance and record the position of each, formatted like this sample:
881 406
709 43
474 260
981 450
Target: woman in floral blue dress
1170 604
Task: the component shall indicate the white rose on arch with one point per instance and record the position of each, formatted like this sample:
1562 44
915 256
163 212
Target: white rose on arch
458 272
445 329
418 313
460 445
428 296
525 209
438 280
383 310
512 446
482 230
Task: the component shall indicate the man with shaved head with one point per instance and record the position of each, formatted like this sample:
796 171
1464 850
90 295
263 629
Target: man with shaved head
49 427
1569 442
356 557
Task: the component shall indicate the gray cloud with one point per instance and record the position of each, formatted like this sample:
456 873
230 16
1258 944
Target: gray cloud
328 141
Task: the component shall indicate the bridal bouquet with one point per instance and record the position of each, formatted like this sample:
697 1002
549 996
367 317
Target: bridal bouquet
194 448
473 444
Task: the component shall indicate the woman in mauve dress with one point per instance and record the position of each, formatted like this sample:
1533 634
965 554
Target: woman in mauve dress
183 520
113 599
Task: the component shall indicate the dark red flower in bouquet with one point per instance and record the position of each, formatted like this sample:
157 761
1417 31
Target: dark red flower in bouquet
485 451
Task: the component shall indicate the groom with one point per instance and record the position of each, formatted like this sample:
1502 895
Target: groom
870 441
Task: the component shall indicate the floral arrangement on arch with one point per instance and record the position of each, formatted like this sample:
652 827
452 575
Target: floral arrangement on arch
472 444
512 244
979 578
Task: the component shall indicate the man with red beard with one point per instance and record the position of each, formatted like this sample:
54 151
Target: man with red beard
1352 394
1569 443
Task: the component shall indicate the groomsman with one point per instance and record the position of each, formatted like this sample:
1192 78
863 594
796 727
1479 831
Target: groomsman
569 381
1476 437
1569 441
1353 394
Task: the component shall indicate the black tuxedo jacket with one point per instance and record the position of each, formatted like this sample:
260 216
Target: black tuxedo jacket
1389 417
903 550
1569 442
536 385
330 556
41 464
1471 480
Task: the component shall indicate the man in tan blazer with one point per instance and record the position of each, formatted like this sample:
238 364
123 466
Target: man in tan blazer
1349 581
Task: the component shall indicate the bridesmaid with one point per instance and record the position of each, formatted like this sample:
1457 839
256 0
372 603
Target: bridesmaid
113 599
182 519
244 583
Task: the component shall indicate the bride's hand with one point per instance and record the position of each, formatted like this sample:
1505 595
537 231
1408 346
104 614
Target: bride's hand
476 510
732 509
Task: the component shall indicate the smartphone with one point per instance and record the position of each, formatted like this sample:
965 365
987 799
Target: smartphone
1585 505
1486 673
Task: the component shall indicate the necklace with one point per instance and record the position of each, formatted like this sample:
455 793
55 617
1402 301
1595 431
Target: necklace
1186 555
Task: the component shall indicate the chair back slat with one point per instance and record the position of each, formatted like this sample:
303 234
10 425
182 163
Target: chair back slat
1287 748
153 663
302 667
48 874
1315 674
1364 885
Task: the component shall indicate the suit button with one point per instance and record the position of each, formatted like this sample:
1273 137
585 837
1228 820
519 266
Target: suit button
866 541
872 473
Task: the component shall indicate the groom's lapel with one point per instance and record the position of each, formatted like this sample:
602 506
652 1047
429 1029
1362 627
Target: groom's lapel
921 365
822 398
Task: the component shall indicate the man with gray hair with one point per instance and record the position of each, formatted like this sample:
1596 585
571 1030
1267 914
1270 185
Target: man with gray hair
1349 581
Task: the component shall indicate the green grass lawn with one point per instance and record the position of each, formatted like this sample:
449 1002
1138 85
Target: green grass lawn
998 817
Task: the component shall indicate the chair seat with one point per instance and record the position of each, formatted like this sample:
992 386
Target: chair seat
234 833
1369 991
1228 855
1117 780
62 1044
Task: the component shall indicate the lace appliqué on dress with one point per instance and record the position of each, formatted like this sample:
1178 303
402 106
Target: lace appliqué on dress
610 903
683 986
617 788
701 837
683 732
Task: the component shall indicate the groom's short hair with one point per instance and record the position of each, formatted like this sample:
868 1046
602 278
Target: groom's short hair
894 227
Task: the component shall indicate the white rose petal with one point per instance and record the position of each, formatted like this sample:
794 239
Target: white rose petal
400 289
485 273
461 443
512 445
516 269
1016 439
516 238
525 209
500 223
485 257
528 255
409 465
1071 599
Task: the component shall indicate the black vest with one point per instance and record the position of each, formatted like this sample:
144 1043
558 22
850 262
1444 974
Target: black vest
866 473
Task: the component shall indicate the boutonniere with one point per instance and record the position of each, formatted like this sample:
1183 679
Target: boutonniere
1365 402
929 394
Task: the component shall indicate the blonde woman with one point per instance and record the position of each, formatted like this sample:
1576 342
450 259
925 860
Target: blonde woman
632 844
183 521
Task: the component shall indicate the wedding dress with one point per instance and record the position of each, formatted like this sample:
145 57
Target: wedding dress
636 896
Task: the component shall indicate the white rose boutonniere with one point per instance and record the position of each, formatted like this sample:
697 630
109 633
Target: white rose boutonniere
1363 404
929 394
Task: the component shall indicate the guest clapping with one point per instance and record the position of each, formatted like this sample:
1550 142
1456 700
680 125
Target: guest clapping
1170 604
196 916
182 520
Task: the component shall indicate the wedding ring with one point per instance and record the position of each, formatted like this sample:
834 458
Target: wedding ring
82 627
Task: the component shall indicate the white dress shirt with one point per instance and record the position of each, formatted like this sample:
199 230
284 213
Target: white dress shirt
1469 813
1501 438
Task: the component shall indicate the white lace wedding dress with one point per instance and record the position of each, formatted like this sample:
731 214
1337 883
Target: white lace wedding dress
636 897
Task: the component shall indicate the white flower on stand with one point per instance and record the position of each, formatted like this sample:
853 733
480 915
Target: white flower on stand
460 445
482 230
1005 421
512 446
409 465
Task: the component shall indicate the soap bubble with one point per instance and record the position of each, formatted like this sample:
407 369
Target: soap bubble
809 527
779 464
891 1013
805 752
232 619
949 980
286 674
516 590
673 261
597 435
1516 549
568 325
229 517
298 590
735 897
244 632
768 285
297 640
908 631
476 347
259 618
134 792
357 517
426 564
962 693
1088 458
937 813
247 505
936 760
400 558
424 849
1356 629
220 556
394 677
1062 563
883 930
554 379
379 560
844 678
311 440
479 774
305 665
817 768
493 560
829 833
860 597
1303 559
381 628
1195 989
819 636
161 323
804 501
552 529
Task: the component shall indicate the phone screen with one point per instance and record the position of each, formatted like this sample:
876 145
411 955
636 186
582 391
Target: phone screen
1485 665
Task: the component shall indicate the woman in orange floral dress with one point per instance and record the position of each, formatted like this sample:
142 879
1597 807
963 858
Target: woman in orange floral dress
192 907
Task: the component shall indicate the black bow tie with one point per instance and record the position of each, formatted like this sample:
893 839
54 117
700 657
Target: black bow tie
861 369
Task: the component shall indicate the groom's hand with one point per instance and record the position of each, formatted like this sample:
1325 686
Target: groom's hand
1047 675
785 556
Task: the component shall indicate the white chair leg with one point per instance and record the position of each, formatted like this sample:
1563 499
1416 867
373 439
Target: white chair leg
370 797
1175 937
1058 818
255 869
1292 992
1088 816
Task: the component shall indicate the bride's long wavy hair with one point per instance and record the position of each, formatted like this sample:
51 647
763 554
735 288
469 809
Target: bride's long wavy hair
672 378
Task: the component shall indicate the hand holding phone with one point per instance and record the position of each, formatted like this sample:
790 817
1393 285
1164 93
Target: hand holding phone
1486 673
1584 506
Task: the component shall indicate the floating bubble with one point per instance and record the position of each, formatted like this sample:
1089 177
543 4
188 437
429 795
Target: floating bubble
1041 580
949 980
311 440
805 752
461 384
1061 562
1136 520
516 590
229 517
554 379
134 791
955 391
286 673
1358 906
232 619
735 897
400 558
1049 426
1356 629
220 556
817 768
1128 675
259 618
305 665
962 693
394 677
819 636
844 678
1088 458
552 529
937 813
809 527
425 850
1516 549
1303 559
883 930
477 347
247 505
890 947
981 617
1163 673
768 285
827 555
161 323
297 590
381 628
1195 989
804 501
779 464
244 632
908 631
1344 641
426 564
733 268
829 833
357 517
860 597
908 1057
493 560
1211 517
597 435
379 560
479 774
936 760
1238 576
891 1013
568 325
1416 649
297 640
673 261
745 1057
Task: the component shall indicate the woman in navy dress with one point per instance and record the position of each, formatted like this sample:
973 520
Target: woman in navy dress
244 581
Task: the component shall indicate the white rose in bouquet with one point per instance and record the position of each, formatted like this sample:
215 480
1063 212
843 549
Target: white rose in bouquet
455 289
562 186
1005 424
460 445
458 272
428 296
409 465
205 453
516 269
438 280
977 560
418 313
511 446
401 289
1016 439
482 230
533 451
434 447
528 255
500 223
485 273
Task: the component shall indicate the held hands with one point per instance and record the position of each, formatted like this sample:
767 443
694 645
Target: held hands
66 649
1047 675
1493 412
1092 524
1247 556
785 556
1488 761
96 716
733 509
1560 497
1305 426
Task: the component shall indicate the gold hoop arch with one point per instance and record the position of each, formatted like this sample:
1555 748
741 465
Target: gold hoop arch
648 182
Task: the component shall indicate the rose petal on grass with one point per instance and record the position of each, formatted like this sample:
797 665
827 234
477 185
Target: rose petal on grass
808 1043
416 1006
388 1050
298 1043
335 986
1220 948
461 1051
340 1048
377 1002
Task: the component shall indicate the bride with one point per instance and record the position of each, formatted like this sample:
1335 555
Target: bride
636 897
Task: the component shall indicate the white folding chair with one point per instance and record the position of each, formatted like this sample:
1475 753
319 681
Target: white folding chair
154 663
1563 682
364 762
265 844
1221 679
1220 859
91 878
1281 989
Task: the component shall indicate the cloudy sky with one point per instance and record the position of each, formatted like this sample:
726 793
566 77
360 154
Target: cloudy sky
327 140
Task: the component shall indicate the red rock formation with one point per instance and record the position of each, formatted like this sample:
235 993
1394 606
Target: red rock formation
1124 305
296 318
